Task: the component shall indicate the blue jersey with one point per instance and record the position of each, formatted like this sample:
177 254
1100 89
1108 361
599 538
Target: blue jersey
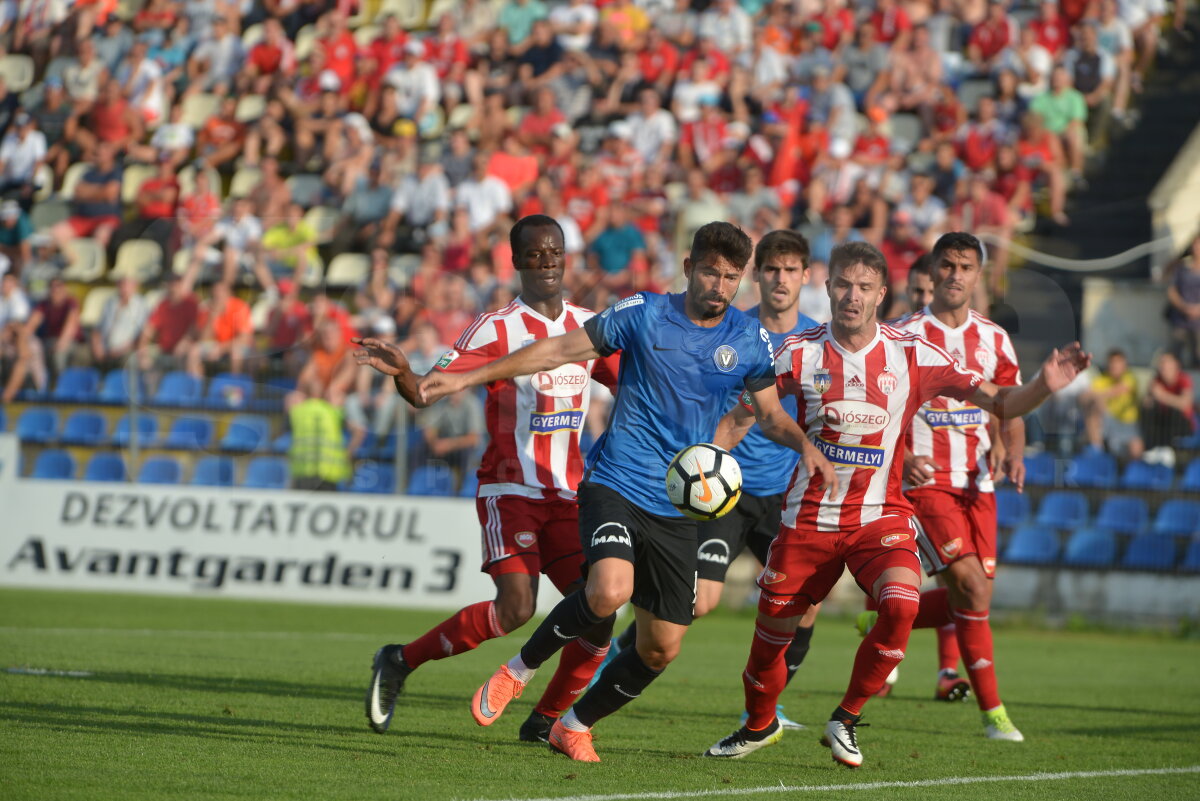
766 465
677 380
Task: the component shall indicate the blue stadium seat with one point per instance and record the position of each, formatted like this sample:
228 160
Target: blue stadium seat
3 420
179 389
105 467
431 480
115 388
1191 558
1012 507
246 432
84 427
160 470
1177 518
282 443
1092 469
1150 552
387 449
147 430
54 464
1040 470
271 394
213 471
1123 514
1063 509
37 424
267 472
374 477
1142 476
77 385
1091 547
230 391
1191 477
1032 545
469 486
190 434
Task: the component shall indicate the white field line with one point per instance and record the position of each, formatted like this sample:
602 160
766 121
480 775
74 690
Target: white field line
950 781
196 634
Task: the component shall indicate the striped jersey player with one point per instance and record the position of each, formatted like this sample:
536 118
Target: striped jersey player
857 385
527 477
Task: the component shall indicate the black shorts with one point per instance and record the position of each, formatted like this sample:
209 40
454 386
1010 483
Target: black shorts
752 524
662 550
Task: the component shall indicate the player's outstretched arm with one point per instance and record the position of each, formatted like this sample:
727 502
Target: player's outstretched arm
388 359
778 426
733 427
545 354
1060 369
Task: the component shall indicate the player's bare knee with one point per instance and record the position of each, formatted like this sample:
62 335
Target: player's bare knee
515 604
657 656
605 599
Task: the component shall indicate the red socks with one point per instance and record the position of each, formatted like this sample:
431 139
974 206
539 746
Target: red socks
576 666
765 675
947 645
934 612
883 647
975 640
463 631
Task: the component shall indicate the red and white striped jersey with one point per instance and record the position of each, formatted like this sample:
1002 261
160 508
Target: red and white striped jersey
855 407
533 421
952 433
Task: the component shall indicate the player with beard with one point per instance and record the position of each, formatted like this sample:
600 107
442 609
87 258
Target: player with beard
684 360
858 385
527 478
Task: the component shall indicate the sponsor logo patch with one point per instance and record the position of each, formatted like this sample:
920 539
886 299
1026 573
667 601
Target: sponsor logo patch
950 549
888 540
966 418
989 566
447 357
769 576
566 381
525 538
855 417
632 300
822 381
865 456
611 534
985 359
894 653
550 422
714 550
726 358
887 381
855 383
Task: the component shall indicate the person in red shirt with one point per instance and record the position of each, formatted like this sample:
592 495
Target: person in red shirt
707 52
222 138
1168 410
979 140
658 61
536 130
872 146
55 324
288 325
1051 29
168 333
901 247
388 47
156 202
701 142
892 25
1013 183
587 201
111 120
272 57
990 37
1042 153
225 332
339 48
447 52
981 211
838 25
514 165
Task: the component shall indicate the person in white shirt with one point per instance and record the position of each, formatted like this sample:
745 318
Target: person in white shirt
142 82
240 236
416 84
729 26
215 63
1117 40
16 345
82 79
485 197
1030 61
420 207
653 131
574 24
21 153
116 335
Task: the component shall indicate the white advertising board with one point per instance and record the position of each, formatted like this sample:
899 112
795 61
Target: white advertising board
282 545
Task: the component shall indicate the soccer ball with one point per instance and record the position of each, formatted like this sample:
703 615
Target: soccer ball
704 481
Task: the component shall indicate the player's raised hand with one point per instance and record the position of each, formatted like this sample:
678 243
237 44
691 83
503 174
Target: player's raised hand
1063 365
383 356
438 385
918 470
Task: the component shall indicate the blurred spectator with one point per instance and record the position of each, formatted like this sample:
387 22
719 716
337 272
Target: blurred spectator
486 198
832 104
116 335
1051 30
901 247
515 166
271 57
756 205
169 332
51 116
365 211
289 248
317 458
814 297
1029 62
427 348
44 264
1064 112
891 24
55 324
925 211
109 120
573 23
289 324
1041 154
834 181
416 85
156 203
113 42
198 211
222 138
372 401
983 212
1116 39
240 236
839 232
728 25
979 139
613 252
990 37
214 64
21 153
173 139
517 17
330 372
83 77
142 81
225 333
1110 408
947 172
96 203
15 233
1168 410
1183 307
270 196
453 431
1095 74
420 205
15 342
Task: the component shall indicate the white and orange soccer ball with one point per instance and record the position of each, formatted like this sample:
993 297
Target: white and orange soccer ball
704 481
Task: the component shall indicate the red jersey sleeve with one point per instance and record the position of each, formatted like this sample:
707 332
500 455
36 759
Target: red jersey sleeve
479 344
938 373
1008 374
607 370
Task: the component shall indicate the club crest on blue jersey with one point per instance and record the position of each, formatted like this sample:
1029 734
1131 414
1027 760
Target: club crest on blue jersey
822 381
726 358
560 420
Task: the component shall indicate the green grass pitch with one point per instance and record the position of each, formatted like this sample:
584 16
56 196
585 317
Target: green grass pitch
206 699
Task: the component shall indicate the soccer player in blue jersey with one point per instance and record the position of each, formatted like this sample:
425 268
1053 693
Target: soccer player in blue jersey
684 360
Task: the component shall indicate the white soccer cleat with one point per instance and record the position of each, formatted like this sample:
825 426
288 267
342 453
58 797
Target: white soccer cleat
842 742
998 726
743 741
784 720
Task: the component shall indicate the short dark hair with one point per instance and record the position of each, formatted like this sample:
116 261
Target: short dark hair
956 240
531 221
1117 352
922 265
850 253
725 240
780 243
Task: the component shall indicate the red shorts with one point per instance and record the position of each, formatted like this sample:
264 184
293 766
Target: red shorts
954 525
804 564
531 536
86 226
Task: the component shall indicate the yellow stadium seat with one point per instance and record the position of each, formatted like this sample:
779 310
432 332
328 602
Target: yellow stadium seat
250 108
141 258
323 219
71 180
244 181
93 305
86 261
17 70
132 179
348 269
198 108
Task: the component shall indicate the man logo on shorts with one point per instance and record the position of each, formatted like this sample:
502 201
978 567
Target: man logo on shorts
950 549
614 537
891 539
714 550
525 538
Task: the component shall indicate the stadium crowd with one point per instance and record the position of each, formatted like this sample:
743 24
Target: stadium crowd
295 172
